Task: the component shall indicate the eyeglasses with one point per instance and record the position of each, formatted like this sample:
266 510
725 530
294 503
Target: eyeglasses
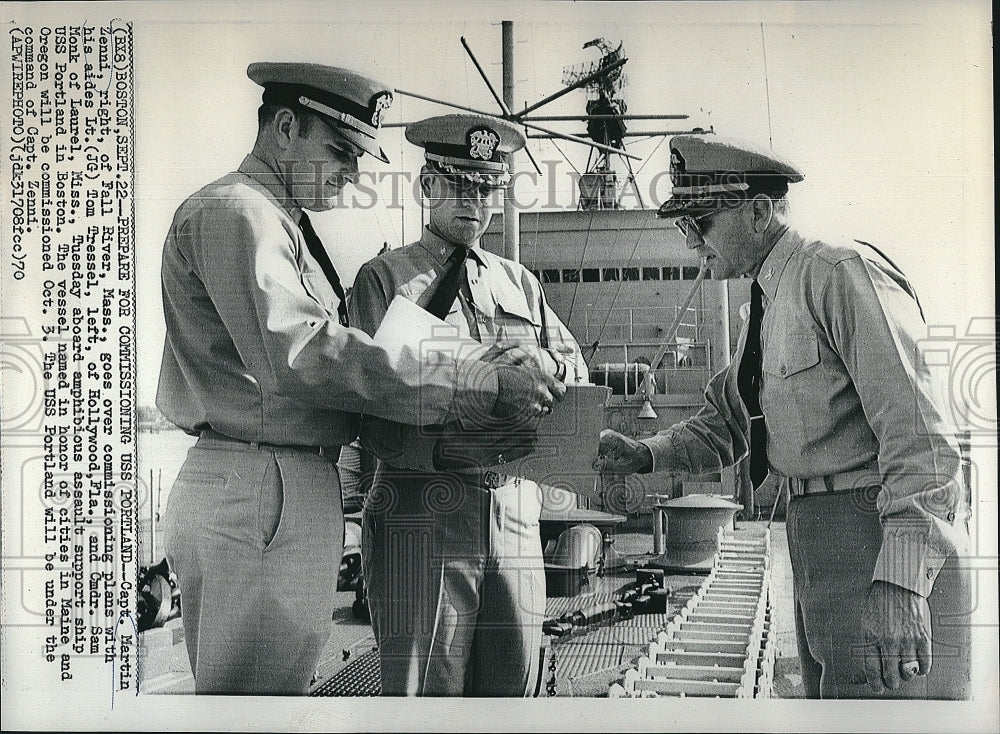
686 224
464 188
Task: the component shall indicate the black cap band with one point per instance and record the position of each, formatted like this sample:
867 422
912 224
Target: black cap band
288 94
460 152
722 182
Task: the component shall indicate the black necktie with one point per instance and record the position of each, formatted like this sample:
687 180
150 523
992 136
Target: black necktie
748 382
318 252
447 291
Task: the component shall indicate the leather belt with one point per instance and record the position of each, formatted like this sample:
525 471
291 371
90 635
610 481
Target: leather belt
486 478
328 452
867 476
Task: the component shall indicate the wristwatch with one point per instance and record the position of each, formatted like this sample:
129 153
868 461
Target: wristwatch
560 370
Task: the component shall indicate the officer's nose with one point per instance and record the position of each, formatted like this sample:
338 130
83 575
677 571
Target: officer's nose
692 239
352 166
351 170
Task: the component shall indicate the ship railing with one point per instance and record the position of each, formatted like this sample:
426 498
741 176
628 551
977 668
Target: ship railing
680 353
642 322
628 378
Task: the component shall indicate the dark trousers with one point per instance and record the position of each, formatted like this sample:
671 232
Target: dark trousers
834 540
456 584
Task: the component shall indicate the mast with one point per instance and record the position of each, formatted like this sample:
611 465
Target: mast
511 229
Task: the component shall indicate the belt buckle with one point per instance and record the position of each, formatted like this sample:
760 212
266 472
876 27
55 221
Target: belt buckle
811 485
797 486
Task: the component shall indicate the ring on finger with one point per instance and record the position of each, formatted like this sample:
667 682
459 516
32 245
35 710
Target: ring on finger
909 668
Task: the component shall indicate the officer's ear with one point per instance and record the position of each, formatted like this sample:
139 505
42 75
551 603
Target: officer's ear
762 211
285 126
427 178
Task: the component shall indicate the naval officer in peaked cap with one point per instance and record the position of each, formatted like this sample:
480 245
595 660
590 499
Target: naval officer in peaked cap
827 391
349 102
710 173
261 363
450 544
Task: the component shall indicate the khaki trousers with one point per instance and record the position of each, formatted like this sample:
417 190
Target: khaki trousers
456 584
834 540
255 536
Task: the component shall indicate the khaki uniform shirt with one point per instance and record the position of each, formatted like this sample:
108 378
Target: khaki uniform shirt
498 300
842 388
254 348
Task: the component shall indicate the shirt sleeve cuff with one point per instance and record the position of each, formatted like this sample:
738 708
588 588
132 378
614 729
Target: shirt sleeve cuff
476 386
661 446
908 559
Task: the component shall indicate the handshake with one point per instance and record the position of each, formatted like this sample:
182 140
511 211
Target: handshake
529 384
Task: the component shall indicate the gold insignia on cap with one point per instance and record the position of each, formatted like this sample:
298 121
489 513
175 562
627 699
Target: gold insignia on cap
676 165
379 105
482 143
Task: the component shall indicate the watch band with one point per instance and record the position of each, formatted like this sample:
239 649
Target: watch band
560 370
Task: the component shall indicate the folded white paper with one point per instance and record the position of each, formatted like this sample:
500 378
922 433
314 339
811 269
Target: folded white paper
405 324
567 438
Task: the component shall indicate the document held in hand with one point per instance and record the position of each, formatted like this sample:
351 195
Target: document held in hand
405 324
567 438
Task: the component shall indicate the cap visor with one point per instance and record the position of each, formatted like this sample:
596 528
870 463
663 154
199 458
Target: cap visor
495 182
672 208
368 145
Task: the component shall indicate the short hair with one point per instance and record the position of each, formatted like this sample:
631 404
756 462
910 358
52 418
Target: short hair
779 201
269 110
780 204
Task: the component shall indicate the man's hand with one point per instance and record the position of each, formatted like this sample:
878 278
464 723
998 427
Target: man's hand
509 353
524 392
618 454
897 633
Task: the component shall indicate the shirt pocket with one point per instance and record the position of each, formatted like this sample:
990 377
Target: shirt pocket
789 381
515 317
321 291
794 353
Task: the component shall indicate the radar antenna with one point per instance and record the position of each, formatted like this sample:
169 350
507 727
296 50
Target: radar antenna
606 108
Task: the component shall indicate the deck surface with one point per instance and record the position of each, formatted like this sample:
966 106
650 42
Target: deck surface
583 664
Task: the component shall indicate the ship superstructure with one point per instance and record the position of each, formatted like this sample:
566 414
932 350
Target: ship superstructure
620 279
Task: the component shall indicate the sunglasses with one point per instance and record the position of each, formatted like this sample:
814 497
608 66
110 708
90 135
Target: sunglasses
687 224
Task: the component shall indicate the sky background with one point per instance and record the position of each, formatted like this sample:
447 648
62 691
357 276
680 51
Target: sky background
886 107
